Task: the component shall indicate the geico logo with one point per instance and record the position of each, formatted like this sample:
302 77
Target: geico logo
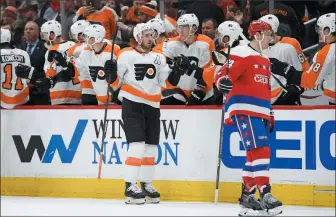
303 145
261 79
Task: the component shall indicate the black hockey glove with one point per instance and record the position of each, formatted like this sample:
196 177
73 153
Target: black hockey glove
111 69
196 97
180 64
224 85
279 68
292 96
58 58
24 71
43 85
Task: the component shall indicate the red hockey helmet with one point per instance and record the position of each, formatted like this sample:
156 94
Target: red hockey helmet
258 26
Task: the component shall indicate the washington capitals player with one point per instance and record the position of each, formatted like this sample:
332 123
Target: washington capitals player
248 107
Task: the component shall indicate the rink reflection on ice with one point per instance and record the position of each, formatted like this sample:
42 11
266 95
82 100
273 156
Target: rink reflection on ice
38 206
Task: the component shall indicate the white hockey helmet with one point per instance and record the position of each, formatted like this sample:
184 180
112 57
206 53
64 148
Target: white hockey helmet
188 19
157 25
231 29
139 29
77 28
5 36
326 21
95 31
49 27
272 20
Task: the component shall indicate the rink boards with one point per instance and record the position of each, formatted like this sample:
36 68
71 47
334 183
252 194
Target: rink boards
54 151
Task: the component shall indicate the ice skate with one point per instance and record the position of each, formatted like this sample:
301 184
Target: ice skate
271 205
152 195
249 205
134 194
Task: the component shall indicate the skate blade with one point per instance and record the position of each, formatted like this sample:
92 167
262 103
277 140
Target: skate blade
130 200
152 200
250 212
274 212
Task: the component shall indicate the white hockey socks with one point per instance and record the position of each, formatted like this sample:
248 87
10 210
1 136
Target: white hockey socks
133 161
148 164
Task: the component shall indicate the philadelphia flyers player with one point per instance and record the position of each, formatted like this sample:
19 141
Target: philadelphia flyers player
196 85
248 107
140 73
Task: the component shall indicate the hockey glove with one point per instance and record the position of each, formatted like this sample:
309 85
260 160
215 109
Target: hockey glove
224 85
279 68
196 97
180 64
292 96
43 85
24 71
111 69
58 58
272 122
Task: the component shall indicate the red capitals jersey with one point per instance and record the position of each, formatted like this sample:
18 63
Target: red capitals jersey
249 73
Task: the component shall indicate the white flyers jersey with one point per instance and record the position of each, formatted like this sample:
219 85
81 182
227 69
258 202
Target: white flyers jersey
141 76
322 69
74 52
199 52
14 90
91 70
63 92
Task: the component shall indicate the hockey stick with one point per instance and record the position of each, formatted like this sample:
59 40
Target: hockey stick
105 112
221 134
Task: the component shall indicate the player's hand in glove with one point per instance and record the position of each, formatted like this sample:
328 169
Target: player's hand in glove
279 68
24 71
224 84
43 85
180 64
292 96
272 121
58 58
111 69
196 97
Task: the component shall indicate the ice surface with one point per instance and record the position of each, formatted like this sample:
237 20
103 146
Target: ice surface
38 206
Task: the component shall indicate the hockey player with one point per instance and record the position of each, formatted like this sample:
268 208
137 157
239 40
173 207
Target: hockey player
141 73
77 34
228 34
196 85
14 90
248 107
287 50
90 64
322 71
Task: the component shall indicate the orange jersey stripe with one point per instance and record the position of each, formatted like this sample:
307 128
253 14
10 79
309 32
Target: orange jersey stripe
148 161
18 99
132 161
130 89
303 60
65 94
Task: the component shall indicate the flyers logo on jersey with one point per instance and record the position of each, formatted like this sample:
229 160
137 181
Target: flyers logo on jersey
142 70
97 72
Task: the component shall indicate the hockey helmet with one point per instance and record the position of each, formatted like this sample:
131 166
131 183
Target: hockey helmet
5 36
77 28
49 27
95 31
272 20
231 29
139 29
157 25
326 21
